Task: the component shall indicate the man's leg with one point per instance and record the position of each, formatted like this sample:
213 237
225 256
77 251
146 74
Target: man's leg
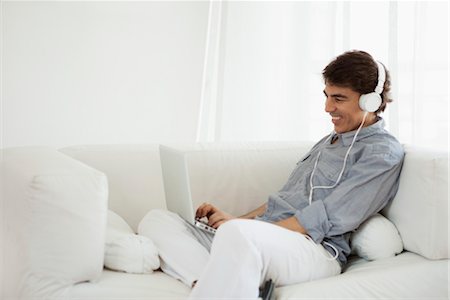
246 252
183 249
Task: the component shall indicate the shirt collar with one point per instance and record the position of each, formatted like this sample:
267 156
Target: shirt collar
346 138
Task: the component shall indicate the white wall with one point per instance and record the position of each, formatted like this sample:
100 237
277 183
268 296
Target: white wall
101 72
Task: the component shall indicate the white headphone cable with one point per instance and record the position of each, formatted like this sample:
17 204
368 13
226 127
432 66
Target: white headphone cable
312 187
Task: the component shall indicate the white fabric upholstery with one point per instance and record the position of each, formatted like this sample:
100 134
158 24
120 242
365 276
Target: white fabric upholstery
55 217
126 251
134 174
406 276
420 208
237 177
116 226
124 286
376 238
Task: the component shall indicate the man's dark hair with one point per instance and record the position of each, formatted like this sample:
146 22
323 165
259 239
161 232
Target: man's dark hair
358 71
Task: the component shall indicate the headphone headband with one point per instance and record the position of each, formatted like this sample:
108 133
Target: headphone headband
381 78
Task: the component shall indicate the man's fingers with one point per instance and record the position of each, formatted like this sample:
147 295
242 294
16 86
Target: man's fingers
214 218
217 224
204 210
218 219
199 213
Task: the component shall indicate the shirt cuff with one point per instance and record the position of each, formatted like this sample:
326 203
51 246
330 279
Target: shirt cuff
314 219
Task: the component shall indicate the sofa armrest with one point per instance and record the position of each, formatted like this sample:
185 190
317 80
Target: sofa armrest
54 218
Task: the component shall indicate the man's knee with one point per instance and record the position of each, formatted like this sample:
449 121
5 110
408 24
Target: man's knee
237 236
158 215
256 233
156 220
235 229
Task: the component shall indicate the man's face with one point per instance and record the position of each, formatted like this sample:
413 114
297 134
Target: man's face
343 106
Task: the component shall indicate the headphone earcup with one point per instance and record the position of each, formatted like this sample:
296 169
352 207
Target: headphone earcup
370 102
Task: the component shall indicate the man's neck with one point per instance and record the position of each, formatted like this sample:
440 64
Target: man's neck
371 119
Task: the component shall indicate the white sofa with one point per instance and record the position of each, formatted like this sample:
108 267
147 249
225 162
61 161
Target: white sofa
54 208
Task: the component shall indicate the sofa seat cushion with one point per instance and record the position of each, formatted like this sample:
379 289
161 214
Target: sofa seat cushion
401 277
121 286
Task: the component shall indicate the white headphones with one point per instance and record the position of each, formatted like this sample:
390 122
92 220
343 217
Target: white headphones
371 102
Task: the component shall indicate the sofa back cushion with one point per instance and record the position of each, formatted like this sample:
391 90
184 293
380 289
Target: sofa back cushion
55 218
420 208
239 177
134 176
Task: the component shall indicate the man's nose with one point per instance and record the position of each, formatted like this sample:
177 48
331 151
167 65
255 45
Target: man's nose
329 105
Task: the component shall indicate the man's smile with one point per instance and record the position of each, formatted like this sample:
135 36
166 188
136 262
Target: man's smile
335 118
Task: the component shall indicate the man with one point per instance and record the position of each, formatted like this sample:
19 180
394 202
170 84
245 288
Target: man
302 232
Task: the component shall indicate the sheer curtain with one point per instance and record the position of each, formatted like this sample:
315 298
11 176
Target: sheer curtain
263 62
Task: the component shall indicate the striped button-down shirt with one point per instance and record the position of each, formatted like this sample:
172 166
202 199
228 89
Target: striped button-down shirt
369 181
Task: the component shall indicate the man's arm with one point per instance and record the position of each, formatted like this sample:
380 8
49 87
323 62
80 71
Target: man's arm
217 217
291 224
369 185
255 213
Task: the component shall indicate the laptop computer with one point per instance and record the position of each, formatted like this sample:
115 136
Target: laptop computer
177 186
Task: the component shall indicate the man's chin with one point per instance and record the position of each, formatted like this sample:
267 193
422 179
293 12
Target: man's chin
338 130
341 130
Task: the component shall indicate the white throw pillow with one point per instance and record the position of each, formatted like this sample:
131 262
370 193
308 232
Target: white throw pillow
126 251
376 238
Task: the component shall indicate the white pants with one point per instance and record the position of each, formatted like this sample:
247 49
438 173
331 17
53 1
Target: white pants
244 254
